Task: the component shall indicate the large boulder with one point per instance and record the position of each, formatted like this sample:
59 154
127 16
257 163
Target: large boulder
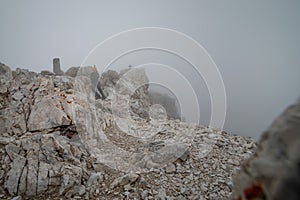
274 171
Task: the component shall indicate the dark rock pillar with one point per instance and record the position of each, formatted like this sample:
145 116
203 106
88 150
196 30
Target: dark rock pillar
56 67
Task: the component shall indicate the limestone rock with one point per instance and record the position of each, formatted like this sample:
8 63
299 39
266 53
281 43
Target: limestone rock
58 140
161 194
72 71
273 172
71 176
32 173
124 180
17 198
54 117
43 179
170 168
184 155
12 150
6 140
94 179
144 194
131 83
14 174
23 181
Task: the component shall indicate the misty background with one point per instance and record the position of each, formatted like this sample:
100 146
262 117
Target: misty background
255 45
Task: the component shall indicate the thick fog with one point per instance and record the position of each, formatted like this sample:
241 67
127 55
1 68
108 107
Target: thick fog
255 45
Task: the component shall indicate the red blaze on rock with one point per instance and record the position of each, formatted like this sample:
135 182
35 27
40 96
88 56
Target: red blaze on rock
254 191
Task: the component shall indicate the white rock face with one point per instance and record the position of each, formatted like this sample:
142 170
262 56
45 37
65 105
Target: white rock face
58 141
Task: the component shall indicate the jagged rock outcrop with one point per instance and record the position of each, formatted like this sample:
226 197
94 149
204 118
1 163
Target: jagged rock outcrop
57 141
274 171
132 82
36 128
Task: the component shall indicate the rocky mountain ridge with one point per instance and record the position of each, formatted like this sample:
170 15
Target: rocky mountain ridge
49 149
58 141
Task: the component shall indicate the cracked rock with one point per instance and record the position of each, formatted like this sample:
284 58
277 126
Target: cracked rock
14 174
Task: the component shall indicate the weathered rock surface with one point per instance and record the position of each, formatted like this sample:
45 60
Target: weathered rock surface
58 142
72 71
131 83
274 171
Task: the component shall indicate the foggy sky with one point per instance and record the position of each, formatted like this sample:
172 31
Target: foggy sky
255 44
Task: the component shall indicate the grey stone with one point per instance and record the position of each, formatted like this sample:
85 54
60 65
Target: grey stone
185 155
11 150
55 175
23 181
14 174
3 128
17 198
18 125
55 115
124 180
94 179
127 187
17 96
56 67
274 170
31 145
170 168
80 190
144 194
168 102
72 71
6 140
183 191
161 194
71 176
43 180
32 173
